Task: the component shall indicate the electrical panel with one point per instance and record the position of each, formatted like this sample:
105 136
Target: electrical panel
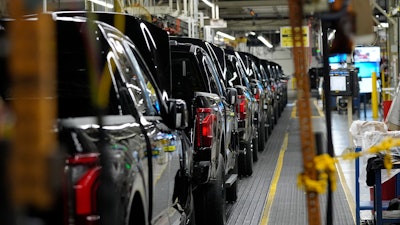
344 82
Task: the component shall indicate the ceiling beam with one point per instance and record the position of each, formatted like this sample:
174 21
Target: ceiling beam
247 4
258 25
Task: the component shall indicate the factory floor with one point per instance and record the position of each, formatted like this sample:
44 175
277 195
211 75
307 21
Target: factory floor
271 195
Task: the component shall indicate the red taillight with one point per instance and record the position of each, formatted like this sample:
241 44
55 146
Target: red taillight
273 88
257 96
83 174
84 159
204 123
242 107
85 192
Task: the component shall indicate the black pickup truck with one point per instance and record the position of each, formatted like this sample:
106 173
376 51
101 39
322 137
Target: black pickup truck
195 80
127 157
269 77
247 109
282 81
217 55
261 95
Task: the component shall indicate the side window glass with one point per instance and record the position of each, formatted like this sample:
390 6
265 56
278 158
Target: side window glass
256 72
133 74
212 74
141 78
240 69
232 76
229 75
211 81
113 70
74 85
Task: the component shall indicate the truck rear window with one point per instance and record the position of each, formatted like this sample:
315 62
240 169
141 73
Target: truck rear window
186 79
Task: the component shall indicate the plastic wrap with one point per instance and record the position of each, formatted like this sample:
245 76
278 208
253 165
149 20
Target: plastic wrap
368 134
373 138
358 128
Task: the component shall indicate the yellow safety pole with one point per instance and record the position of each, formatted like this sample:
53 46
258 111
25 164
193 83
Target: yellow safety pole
374 97
304 109
294 83
32 69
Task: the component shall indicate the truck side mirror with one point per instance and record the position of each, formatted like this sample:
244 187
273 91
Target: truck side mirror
177 113
232 95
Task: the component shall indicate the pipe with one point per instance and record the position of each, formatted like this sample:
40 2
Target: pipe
44 5
384 95
185 7
213 12
328 113
389 18
374 97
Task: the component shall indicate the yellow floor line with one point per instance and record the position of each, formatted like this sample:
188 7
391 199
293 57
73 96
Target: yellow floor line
347 192
315 102
274 182
294 109
271 194
320 111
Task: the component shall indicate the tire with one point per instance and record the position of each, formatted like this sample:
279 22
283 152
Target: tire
209 199
246 160
261 136
183 192
268 128
231 192
254 143
271 121
276 114
137 215
191 220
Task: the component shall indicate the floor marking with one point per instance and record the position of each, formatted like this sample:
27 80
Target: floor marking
342 179
294 109
347 192
274 182
321 113
315 102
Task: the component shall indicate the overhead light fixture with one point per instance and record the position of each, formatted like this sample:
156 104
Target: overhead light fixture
217 39
331 35
225 35
251 33
265 42
384 25
210 4
103 3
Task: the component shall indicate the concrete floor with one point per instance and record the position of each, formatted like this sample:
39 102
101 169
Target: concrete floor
343 142
287 206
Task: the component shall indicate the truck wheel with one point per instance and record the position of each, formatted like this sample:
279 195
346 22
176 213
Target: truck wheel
276 109
246 160
231 192
255 147
270 121
261 137
192 217
209 199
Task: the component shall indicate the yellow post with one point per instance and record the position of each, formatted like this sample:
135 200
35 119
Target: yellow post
374 97
294 83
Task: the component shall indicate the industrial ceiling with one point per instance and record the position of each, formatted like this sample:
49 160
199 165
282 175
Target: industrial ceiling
254 15
241 16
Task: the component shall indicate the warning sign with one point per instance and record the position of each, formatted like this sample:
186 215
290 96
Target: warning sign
287 37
